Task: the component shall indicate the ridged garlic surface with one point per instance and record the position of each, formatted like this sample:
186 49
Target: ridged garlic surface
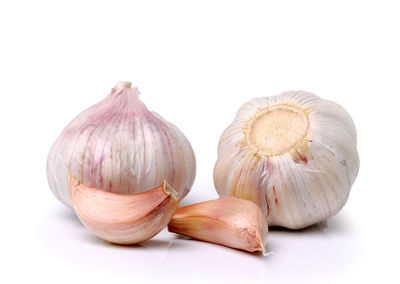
231 222
124 218
119 146
295 155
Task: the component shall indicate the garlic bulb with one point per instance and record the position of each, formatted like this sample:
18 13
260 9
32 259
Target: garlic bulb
119 146
124 218
293 154
230 222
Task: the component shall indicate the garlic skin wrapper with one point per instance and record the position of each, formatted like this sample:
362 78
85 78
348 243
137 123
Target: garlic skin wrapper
231 222
124 218
295 155
119 146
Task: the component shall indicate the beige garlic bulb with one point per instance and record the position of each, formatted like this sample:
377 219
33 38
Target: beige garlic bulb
119 146
295 155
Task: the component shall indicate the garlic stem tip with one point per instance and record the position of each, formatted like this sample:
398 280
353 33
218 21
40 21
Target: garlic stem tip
123 84
169 190
264 250
267 253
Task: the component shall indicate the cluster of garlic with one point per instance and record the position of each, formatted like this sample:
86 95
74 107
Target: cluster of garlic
290 159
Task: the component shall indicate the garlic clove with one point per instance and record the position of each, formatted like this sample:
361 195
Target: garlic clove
231 222
123 218
119 145
295 155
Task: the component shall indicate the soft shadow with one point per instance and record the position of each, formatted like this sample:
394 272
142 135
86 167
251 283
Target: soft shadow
188 239
69 216
180 237
149 244
313 228
335 225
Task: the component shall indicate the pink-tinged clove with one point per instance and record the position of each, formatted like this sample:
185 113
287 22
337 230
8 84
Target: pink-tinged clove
123 218
231 222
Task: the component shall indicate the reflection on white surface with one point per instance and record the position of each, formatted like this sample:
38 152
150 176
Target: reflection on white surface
323 251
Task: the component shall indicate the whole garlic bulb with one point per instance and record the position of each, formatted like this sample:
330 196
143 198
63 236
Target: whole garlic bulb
119 146
294 155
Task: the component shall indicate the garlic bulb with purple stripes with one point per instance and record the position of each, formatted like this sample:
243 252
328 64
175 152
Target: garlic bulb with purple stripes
295 155
119 146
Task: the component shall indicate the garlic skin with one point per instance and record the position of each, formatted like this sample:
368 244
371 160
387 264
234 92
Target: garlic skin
295 155
124 218
232 222
119 146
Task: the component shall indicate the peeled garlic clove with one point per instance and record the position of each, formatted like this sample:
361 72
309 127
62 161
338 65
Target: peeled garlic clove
119 146
295 155
231 222
124 218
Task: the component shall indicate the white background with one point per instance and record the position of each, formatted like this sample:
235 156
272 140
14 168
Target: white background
196 63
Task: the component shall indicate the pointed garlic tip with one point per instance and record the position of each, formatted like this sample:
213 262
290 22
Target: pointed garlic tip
123 84
294 155
170 191
231 222
123 218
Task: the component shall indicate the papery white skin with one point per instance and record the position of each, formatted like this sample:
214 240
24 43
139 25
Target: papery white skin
300 187
118 145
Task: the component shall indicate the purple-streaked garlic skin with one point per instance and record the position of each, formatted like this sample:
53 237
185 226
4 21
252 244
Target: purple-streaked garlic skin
119 146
